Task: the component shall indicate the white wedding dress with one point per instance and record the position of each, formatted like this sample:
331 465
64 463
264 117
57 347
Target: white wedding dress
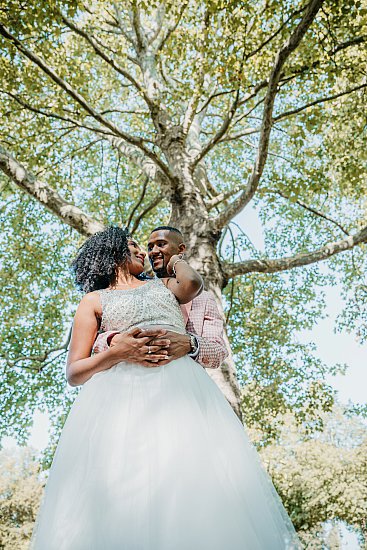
155 458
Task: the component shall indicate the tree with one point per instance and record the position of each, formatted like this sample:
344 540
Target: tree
21 491
324 478
201 108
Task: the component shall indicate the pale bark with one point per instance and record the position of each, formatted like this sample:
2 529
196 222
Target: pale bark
131 152
221 197
136 156
43 193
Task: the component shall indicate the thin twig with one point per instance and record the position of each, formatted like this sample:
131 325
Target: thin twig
150 207
140 200
313 211
275 34
292 112
41 358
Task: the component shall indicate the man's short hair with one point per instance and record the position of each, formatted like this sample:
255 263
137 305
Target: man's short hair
167 228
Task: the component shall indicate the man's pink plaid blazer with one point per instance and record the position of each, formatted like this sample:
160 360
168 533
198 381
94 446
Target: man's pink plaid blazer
202 319
205 321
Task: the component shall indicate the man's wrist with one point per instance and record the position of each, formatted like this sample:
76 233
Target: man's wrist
109 338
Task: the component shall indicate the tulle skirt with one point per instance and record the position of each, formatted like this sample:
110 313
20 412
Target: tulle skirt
156 459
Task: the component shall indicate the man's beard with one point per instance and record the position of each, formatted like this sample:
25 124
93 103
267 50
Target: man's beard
161 272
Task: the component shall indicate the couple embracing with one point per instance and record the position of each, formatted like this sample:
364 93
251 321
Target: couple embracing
152 456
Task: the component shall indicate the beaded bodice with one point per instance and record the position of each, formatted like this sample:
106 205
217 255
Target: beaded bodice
150 304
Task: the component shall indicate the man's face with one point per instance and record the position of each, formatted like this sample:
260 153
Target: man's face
162 245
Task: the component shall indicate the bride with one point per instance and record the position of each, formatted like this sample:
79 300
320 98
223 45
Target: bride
150 458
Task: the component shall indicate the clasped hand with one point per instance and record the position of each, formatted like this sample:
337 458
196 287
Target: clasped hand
150 347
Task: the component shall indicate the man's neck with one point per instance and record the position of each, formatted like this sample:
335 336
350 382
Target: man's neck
161 273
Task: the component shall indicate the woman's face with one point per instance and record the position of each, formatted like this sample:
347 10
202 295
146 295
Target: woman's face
136 264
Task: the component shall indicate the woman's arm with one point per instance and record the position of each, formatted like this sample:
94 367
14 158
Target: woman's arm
80 365
188 283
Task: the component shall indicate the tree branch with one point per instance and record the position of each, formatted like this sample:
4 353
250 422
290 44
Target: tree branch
340 47
93 42
95 129
122 26
275 34
247 113
132 153
292 112
285 80
218 199
223 129
72 153
165 33
38 111
152 34
141 40
298 260
235 137
198 90
213 96
140 200
67 212
287 77
41 358
313 211
290 45
138 142
349 43
150 207
129 151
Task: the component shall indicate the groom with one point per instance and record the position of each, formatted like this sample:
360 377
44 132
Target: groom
203 340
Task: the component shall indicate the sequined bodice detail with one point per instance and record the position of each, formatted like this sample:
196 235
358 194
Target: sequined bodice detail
149 304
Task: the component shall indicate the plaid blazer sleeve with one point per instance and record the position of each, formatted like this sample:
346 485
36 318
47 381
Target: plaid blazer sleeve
212 348
100 343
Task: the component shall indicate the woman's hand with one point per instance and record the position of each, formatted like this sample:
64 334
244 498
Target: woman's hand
175 258
135 346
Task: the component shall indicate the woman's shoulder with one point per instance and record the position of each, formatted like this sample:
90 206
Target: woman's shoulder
91 300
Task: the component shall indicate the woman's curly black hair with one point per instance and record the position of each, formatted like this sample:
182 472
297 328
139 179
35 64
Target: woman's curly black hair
98 259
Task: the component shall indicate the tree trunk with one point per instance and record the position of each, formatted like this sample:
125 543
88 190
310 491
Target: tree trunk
226 377
192 220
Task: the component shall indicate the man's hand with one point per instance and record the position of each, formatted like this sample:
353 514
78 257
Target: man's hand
135 346
179 344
